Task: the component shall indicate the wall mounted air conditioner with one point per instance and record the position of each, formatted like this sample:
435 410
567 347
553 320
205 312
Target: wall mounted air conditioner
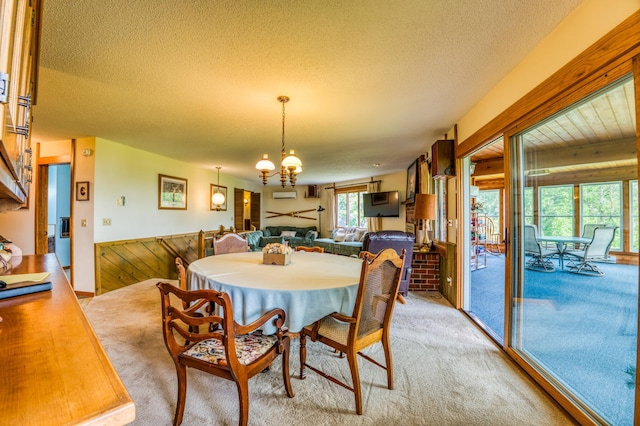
284 195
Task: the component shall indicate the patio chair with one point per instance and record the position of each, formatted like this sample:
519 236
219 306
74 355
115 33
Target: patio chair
596 251
369 322
230 243
587 232
232 351
540 256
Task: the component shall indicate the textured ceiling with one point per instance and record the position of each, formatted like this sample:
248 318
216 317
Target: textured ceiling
369 81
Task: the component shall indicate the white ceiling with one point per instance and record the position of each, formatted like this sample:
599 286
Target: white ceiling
369 81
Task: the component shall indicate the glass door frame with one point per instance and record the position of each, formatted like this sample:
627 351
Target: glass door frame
614 56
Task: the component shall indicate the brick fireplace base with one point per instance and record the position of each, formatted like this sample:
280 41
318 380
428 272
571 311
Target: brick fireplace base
426 271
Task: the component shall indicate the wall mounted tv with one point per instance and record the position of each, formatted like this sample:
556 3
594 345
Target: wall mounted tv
381 204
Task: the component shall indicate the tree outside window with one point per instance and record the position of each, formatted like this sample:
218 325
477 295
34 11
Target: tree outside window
349 207
528 206
602 203
556 210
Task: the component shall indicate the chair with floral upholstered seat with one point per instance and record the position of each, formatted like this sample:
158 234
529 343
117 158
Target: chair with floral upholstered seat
228 350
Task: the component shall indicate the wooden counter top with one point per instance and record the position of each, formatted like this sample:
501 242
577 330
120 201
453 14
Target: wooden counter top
53 369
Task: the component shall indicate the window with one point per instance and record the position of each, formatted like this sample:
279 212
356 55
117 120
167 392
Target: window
349 207
633 203
441 224
602 203
528 206
556 210
490 200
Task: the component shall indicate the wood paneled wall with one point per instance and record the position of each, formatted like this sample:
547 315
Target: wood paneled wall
122 263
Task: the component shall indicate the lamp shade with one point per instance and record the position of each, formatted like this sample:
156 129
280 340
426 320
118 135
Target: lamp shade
425 206
218 198
265 164
291 161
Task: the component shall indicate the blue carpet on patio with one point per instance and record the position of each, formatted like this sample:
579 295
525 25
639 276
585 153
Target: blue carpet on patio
581 328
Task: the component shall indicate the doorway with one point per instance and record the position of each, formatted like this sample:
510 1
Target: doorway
246 211
485 294
53 206
59 213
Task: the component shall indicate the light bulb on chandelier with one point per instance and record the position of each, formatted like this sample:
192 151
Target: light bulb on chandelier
217 198
290 165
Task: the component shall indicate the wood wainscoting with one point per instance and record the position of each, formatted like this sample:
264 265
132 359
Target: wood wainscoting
122 263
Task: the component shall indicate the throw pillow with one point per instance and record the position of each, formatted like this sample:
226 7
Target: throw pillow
349 237
360 234
334 232
339 237
288 233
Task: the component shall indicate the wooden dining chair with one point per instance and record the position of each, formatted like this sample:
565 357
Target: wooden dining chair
232 351
368 323
314 249
182 275
230 243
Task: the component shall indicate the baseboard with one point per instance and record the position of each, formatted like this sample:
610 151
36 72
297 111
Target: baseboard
84 293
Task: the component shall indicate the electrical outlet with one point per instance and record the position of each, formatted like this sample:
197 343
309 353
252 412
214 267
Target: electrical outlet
120 201
106 222
83 223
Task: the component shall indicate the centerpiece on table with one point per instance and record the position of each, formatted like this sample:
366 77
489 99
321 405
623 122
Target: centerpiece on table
276 254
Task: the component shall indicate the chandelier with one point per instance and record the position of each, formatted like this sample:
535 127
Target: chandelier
290 165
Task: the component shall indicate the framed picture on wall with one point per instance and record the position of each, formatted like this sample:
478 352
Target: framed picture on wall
223 191
412 182
82 191
172 193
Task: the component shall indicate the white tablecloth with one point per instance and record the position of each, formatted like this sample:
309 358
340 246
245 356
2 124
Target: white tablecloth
311 286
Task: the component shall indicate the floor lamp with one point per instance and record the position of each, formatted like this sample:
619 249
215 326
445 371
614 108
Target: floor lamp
425 211
320 210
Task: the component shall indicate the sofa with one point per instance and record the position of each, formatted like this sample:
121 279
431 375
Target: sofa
345 240
397 240
253 239
293 235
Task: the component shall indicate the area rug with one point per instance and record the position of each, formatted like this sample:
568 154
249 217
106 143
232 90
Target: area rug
446 373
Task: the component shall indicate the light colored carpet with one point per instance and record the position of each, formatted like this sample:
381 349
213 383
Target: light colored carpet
446 373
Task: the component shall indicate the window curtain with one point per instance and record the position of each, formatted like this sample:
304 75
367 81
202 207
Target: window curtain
331 210
374 223
425 179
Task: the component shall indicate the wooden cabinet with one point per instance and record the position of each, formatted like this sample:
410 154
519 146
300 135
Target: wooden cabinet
19 36
54 369
443 164
478 240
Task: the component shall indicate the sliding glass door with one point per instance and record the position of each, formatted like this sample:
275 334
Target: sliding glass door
574 213
485 266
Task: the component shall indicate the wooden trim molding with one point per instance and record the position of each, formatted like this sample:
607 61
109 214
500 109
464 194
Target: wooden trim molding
56 159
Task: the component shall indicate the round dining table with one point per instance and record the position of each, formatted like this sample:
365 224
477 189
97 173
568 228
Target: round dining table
312 286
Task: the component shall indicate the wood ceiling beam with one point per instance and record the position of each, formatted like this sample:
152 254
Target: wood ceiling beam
585 176
593 153
494 166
